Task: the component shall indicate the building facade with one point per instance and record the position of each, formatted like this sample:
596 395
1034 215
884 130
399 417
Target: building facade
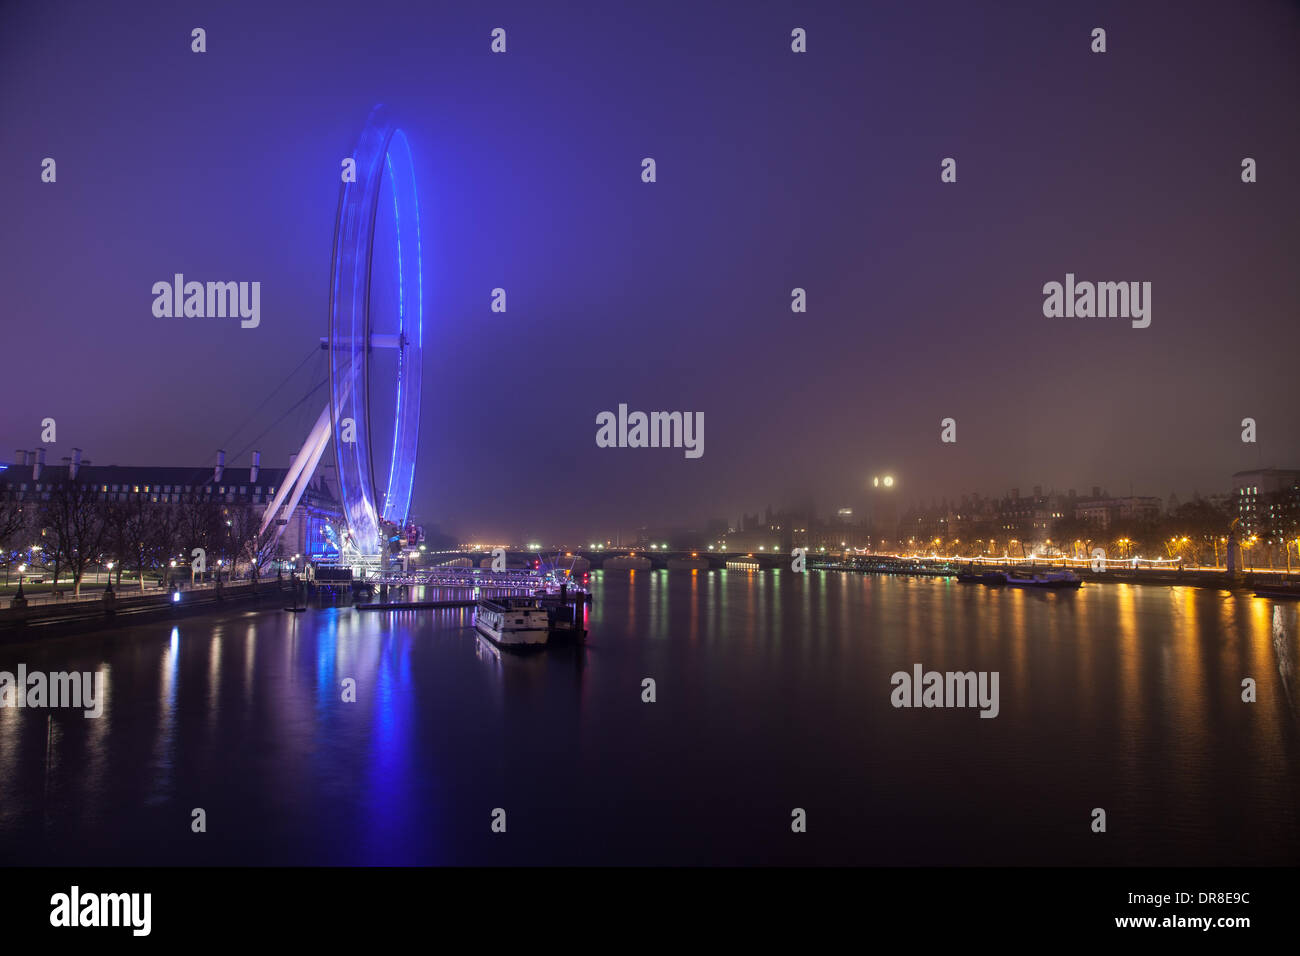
1267 502
308 532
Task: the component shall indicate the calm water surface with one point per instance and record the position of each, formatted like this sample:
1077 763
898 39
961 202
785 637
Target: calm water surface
773 693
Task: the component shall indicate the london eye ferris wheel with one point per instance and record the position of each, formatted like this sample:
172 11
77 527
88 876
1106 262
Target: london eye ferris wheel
356 331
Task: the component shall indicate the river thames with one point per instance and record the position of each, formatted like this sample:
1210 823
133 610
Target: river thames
772 692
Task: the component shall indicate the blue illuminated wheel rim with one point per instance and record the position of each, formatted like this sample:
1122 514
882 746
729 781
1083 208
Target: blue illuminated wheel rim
382 148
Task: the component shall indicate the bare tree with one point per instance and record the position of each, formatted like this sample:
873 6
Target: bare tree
128 526
199 525
119 535
162 535
244 544
12 521
74 515
16 529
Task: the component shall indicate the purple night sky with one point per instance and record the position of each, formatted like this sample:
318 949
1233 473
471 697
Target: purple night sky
775 170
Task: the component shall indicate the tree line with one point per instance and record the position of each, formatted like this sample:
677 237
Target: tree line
1196 532
77 528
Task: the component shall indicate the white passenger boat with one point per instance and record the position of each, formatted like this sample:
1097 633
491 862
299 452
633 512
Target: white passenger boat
512 621
1054 579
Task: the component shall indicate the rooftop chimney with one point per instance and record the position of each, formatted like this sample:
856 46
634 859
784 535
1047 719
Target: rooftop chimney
221 465
76 463
1096 491
40 464
257 466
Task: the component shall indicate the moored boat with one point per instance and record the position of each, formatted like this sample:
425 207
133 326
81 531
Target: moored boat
990 578
513 621
1053 579
1280 593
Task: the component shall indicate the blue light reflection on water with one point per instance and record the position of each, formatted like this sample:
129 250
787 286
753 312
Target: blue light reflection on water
390 798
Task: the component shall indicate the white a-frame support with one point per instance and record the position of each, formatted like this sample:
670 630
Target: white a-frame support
296 481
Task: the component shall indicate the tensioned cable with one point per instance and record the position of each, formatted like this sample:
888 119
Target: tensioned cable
289 411
285 381
305 418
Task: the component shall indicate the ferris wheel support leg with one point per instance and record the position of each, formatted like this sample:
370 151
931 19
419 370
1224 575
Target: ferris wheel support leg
301 471
298 478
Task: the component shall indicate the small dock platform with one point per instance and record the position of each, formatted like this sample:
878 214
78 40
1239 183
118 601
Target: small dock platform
415 605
